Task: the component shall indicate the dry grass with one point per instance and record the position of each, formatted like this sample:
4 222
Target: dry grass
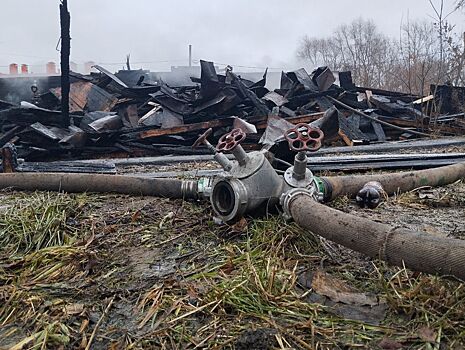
423 301
426 197
129 273
39 220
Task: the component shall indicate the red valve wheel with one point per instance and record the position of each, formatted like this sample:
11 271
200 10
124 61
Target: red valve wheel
303 138
230 140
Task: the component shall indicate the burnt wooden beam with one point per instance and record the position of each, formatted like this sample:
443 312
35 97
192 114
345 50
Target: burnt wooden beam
347 164
307 118
248 93
216 123
350 133
9 158
260 123
7 136
65 23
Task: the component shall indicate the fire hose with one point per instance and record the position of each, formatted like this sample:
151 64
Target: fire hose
392 183
100 183
416 250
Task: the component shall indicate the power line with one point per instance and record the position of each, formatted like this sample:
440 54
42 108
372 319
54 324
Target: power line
141 62
243 66
21 55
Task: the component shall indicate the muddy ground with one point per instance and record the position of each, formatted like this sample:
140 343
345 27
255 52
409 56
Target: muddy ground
123 272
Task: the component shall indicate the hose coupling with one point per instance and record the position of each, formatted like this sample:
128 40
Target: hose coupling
190 189
288 197
204 187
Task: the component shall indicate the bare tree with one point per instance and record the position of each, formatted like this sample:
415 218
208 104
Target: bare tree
320 51
418 57
442 27
427 52
455 49
358 46
364 51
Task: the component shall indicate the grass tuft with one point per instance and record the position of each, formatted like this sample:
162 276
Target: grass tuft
53 336
40 220
422 300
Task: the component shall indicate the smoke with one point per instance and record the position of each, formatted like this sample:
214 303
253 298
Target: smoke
15 90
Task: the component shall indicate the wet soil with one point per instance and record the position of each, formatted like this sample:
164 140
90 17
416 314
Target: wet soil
135 246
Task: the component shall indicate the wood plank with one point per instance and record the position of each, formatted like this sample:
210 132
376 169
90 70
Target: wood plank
215 123
369 95
7 136
340 164
9 160
308 118
423 100
387 165
345 138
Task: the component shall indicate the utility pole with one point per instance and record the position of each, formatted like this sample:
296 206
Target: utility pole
190 55
128 63
65 23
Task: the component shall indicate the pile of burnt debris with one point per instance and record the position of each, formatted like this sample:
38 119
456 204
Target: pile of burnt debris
110 117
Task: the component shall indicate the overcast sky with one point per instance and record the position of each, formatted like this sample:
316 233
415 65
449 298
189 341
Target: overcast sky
239 32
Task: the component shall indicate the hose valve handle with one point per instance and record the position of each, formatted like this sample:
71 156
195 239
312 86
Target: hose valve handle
303 138
219 157
230 142
202 140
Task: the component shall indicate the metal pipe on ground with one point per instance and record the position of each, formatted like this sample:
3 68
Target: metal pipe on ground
337 186
76 183
416 250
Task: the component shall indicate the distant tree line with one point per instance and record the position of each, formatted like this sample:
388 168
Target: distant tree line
426 52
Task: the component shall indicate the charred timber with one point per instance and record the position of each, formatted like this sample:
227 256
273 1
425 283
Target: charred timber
65 22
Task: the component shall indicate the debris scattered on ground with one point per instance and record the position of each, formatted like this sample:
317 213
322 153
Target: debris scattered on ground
123 116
